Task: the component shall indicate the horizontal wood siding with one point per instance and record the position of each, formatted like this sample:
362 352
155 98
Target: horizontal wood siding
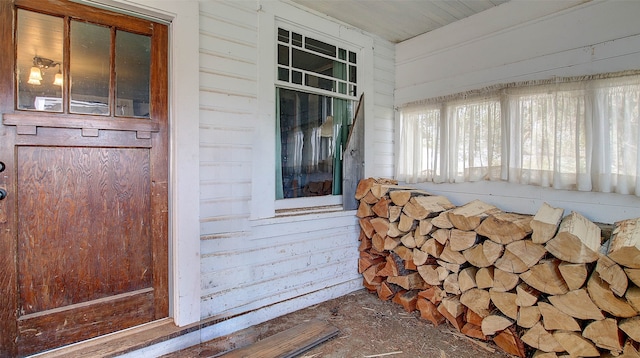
254 270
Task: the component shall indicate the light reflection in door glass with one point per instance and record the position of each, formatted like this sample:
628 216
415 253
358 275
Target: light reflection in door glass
133 61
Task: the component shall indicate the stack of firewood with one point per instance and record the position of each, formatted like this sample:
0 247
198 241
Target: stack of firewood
547 285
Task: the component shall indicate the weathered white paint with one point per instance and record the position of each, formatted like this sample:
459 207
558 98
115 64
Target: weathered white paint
518 41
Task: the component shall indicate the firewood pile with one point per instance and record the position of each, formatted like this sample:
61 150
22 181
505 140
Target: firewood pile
541 286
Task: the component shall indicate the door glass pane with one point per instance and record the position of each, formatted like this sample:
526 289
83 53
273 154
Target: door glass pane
89 68
133 61
39 60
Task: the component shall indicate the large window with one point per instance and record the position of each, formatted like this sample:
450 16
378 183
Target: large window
315 97
569 134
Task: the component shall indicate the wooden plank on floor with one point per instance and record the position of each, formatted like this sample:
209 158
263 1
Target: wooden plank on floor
289 343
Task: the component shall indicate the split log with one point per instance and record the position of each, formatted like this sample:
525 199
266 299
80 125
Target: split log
380 225
510 262
495 323
483 255
381 208
367 228
450 284
425 227
528 252
432 247
380 190
371 275
451 256
604 334
631 326
473 331
461 240
505 228
429 311
467 278
613 274
441 235
363 187
484 277
577 240
510 342
408 241
364 210
604 298
406 223
633 297
577 304
539 338
545 277
370 199
527 296
365 243
434 294
366 261
574 275
453 268
528 316
442 221
575 344
505 302
408 300
386 290
633 275
420 257
433 204
394 231
504 281
469 216
394 213
412 281
390 243
553 319
433 274
472 317
452 310
545 223
625 243
419 238
477 300
377 242
400 197
415 211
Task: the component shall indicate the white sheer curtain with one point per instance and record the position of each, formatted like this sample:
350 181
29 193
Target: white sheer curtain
420 149
572 134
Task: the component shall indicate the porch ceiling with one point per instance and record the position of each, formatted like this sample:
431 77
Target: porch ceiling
399 20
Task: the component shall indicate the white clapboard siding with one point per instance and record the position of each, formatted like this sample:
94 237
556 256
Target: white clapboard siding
254 270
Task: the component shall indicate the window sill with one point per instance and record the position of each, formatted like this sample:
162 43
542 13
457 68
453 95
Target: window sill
304 214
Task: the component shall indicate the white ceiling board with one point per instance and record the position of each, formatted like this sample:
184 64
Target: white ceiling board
398 20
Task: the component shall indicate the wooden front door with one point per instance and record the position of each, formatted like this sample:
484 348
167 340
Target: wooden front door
83 179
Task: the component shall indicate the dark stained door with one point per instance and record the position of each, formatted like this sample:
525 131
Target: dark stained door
83 224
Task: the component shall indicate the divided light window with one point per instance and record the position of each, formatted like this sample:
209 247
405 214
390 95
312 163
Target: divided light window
315 101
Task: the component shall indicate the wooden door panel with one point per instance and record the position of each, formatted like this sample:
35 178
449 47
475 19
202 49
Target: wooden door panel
69 251
84 321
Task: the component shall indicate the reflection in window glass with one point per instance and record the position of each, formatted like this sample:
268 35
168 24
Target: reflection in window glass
39 60
133 61
89 68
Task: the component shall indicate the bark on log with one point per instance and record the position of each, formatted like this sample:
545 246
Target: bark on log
505 228
625 243
469 216
577 240
545 223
